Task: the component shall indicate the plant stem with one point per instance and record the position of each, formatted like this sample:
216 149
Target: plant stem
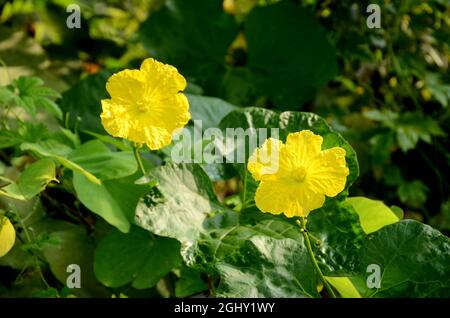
302 224
139 160
211 288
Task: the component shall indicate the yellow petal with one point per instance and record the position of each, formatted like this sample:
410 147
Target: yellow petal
288 197
146 105
304 145
114 118
162 78
327 172
127 86
263 164
7 236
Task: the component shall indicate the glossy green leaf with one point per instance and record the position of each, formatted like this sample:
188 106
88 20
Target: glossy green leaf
413 259
180 205
137 257
337 228
267 267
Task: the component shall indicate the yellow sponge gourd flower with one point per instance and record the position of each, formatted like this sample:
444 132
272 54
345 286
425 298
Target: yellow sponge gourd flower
304 174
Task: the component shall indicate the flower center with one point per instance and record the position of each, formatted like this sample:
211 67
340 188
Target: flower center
144 105
299 174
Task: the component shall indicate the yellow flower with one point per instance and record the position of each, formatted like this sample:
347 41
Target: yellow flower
296 176
7 235
146 105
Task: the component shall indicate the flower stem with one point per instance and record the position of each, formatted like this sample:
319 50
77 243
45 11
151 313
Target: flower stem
302 224
137 155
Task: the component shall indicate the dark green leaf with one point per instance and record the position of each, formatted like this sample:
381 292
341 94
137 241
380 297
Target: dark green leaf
413 258
190 283
138 257
192 35
83 102
288 53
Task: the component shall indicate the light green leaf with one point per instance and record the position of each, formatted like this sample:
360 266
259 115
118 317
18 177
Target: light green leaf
58 151
373 214
99 160
209 110
32 181
99 200
344 286
36 177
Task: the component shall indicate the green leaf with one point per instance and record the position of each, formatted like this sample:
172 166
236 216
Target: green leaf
292 58
209 110
83 102
36 177
109 200
194 36
138 257
99 200
180 205
47 148
49 106
413 258
344 286
267 267
414 193
190 283
58 151
73 246
98 159
32 94
337 227
410 127
373 214
32 181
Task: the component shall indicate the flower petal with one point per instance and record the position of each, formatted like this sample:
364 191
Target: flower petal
290 198
127 86
304 145
7 236
114 118
162 78
328 172
263 164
